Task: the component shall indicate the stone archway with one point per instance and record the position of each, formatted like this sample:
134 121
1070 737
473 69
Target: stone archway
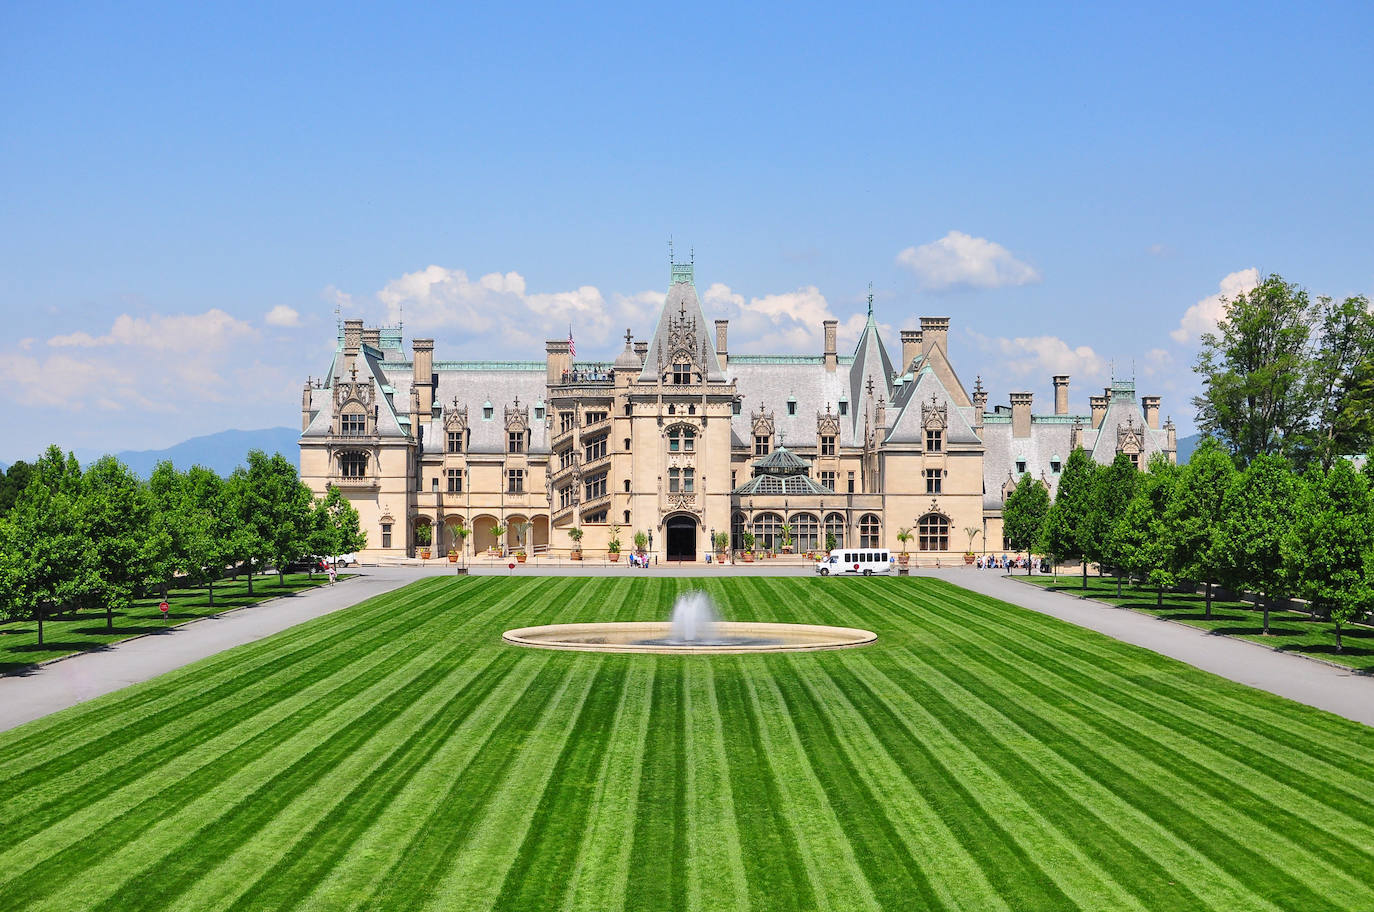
483 534
539 534
680 532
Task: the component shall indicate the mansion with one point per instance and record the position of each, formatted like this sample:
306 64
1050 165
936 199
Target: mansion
680 439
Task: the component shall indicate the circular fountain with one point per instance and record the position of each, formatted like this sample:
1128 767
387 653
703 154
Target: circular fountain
695 628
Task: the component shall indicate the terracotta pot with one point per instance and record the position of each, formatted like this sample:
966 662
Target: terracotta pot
748 557
613 556
520 558
453 558
903 559
968 558
576 554
424 554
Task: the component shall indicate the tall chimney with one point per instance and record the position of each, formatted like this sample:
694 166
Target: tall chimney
935 334
1020 414
423 375
980 402
559 360
372 336
353 343
722 339
642 350
1150 405
305 406
831 332
1099 406
1061 394
911 348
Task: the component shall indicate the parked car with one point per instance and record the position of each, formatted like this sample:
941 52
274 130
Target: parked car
346 560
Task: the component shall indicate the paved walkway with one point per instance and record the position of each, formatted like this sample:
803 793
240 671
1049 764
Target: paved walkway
1327 687
84 676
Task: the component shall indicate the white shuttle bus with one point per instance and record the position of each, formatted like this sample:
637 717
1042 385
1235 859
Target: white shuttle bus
864 561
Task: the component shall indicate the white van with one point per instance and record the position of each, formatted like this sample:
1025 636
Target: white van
865 561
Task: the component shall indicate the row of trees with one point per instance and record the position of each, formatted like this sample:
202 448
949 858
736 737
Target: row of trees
1267 529
99 537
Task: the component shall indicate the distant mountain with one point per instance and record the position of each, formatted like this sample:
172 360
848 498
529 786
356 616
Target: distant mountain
1186 445
222 452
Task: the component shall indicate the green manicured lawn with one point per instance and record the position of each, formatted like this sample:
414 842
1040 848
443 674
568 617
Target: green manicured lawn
397 755
1289 631
19 647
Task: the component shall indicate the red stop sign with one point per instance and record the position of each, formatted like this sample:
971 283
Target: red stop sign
163 607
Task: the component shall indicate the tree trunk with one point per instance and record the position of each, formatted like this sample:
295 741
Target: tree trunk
1338 637
250 576
1159 597
281 577
1118 584
1085 572
38 612
1209 600
109 615
211 587
1266 617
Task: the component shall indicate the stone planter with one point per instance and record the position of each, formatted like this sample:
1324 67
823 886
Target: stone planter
424 554
520 558
453 558
575 554
748 557
903 558
612 556
968 558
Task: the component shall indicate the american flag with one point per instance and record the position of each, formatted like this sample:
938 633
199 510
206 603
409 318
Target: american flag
572 346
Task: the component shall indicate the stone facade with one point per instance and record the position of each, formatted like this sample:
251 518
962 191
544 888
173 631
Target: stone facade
679 439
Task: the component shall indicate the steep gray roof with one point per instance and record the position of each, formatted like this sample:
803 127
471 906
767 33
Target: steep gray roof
913 394
870 361
681 304
771 382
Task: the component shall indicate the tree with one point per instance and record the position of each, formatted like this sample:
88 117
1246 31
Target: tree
342 528
1113 487
1256 392
41 546
1257 513
12 484
165 493
1329 543
1140 539
1023 515
1061 536
204 528
1341 376
243 506
1195 512
122 550
281 510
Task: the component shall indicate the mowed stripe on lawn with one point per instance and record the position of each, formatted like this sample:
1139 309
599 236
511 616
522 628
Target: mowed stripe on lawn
398 755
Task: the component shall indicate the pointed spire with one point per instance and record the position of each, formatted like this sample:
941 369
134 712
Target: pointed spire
870 300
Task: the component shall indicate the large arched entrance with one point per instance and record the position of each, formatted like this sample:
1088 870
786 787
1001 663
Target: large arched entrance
682 538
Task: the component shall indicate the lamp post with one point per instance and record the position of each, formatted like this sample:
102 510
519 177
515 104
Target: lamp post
711 542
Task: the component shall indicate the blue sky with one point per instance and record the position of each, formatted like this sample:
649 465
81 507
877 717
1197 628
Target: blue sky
1064 183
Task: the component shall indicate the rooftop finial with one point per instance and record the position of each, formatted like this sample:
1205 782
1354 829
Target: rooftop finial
870 299
629 336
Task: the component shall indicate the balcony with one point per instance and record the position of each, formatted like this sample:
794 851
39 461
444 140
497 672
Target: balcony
368 482
599 502
559 439
562 513
558 476
596 427
594 466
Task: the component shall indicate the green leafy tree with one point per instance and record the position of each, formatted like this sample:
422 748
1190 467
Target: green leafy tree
13 483
1256 389
245 512
1140 539
1113 488
41 545
1195 512
204 528
282 509
344 532
1329 542
1062 534
122 550
1257 513
165 493
1341 375
1024 514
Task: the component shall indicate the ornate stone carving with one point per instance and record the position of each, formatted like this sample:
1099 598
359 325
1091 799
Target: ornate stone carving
1130 439
517 416
455 418
763 422
827 423
935 414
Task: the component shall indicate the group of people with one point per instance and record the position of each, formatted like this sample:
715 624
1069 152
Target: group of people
1006 562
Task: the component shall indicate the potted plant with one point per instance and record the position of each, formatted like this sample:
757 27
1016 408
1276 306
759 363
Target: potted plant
748 539
497 546
575 533
786 538
972 532
460 534
613 546
721 541
520 528
423 535
520 555
641 542
904 536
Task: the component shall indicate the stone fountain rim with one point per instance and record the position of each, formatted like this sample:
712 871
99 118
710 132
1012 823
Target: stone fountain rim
804 637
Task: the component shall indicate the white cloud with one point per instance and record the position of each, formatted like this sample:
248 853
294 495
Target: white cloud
1042 356
786 322
181 333
1204 316
281 315
960 260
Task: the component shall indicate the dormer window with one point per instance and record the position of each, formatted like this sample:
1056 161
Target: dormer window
488 411
827 445
791 406
515 442
761 445
353 424
844 406
935 440
682 373
454 442
1020 467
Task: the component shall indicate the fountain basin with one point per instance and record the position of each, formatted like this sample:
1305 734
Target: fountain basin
654 637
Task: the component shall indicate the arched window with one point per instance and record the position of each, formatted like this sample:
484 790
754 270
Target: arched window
681 439
834 525
869 531
806 529
932 533
353 464
737 532
768 530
